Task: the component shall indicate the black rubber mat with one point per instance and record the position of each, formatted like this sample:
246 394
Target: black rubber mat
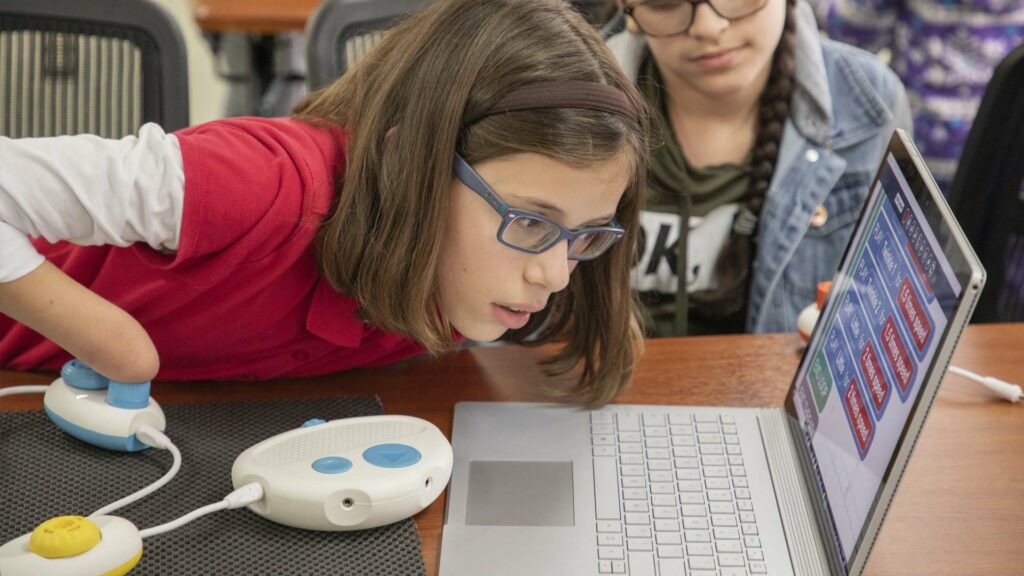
45 473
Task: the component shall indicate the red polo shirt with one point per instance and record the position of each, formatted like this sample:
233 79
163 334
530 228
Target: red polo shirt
241 298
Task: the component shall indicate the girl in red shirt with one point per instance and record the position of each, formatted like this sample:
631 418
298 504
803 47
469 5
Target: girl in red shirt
477 175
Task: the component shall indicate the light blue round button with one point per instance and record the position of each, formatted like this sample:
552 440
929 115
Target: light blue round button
77 375
391 455
129 396
332 465
313 422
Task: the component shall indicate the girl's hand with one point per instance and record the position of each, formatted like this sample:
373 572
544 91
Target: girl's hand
81 322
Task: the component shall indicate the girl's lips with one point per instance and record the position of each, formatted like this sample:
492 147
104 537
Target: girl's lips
716 60
508 318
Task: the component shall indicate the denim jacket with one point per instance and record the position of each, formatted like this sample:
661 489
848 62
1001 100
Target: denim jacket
844 108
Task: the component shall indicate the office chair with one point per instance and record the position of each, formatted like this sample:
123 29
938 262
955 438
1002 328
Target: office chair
340 32
987 194
597 12
102 67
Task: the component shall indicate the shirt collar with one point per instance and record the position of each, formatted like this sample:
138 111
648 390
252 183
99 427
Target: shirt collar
812 99
334 317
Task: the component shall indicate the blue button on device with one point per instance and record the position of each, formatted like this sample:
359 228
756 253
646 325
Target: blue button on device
332 465
77 375
129 396
313 422
391 455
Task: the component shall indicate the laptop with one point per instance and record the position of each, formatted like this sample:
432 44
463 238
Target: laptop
542 489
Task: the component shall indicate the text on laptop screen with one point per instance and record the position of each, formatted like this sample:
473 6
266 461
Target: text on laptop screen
865 367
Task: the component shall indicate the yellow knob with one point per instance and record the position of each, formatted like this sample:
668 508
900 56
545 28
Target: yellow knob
64 536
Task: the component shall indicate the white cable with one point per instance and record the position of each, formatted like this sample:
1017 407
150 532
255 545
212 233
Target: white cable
156 439
222 505
248 494
10 390
1005 390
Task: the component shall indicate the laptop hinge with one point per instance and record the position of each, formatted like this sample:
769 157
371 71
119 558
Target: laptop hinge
809 552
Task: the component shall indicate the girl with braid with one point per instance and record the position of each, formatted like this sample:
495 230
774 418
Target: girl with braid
769 137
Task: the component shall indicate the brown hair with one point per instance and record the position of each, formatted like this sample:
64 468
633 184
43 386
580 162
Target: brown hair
384 240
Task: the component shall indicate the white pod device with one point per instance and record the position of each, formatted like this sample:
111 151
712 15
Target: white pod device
348 474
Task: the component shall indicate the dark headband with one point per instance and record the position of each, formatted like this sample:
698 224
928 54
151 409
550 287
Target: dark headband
564 94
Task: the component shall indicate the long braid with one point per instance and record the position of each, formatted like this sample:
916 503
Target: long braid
726 303
772 114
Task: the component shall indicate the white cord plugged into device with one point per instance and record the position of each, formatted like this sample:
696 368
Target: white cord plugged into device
157 439
1005 390
147 434
242 496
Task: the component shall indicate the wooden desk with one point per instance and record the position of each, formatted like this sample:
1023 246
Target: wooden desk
253 16
959 509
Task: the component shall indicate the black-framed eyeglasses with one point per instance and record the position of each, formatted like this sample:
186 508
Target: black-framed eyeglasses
671 17
535 233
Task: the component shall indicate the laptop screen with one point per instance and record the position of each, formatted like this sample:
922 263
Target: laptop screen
895 294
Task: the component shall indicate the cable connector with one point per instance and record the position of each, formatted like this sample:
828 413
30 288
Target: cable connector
153 437
157 439
244 495
1005 390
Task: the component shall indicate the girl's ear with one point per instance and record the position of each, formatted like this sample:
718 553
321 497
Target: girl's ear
390 133
631 25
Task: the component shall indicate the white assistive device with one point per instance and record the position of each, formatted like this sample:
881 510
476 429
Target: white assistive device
109 414
348 474
99 411
74 546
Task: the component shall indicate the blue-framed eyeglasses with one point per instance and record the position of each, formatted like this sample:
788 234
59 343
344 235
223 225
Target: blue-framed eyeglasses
534 233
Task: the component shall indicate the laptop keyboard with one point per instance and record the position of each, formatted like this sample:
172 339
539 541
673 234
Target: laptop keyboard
672 496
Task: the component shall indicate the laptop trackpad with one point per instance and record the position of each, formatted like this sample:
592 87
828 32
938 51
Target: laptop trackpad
519 493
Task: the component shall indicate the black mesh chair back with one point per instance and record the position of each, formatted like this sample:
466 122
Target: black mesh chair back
340 32
987 195
101 67
597 12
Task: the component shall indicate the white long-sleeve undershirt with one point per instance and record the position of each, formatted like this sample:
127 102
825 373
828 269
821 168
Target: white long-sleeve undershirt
89 191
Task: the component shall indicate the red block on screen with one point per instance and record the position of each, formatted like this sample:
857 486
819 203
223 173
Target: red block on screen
862 426
914 314
878 387
896 352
